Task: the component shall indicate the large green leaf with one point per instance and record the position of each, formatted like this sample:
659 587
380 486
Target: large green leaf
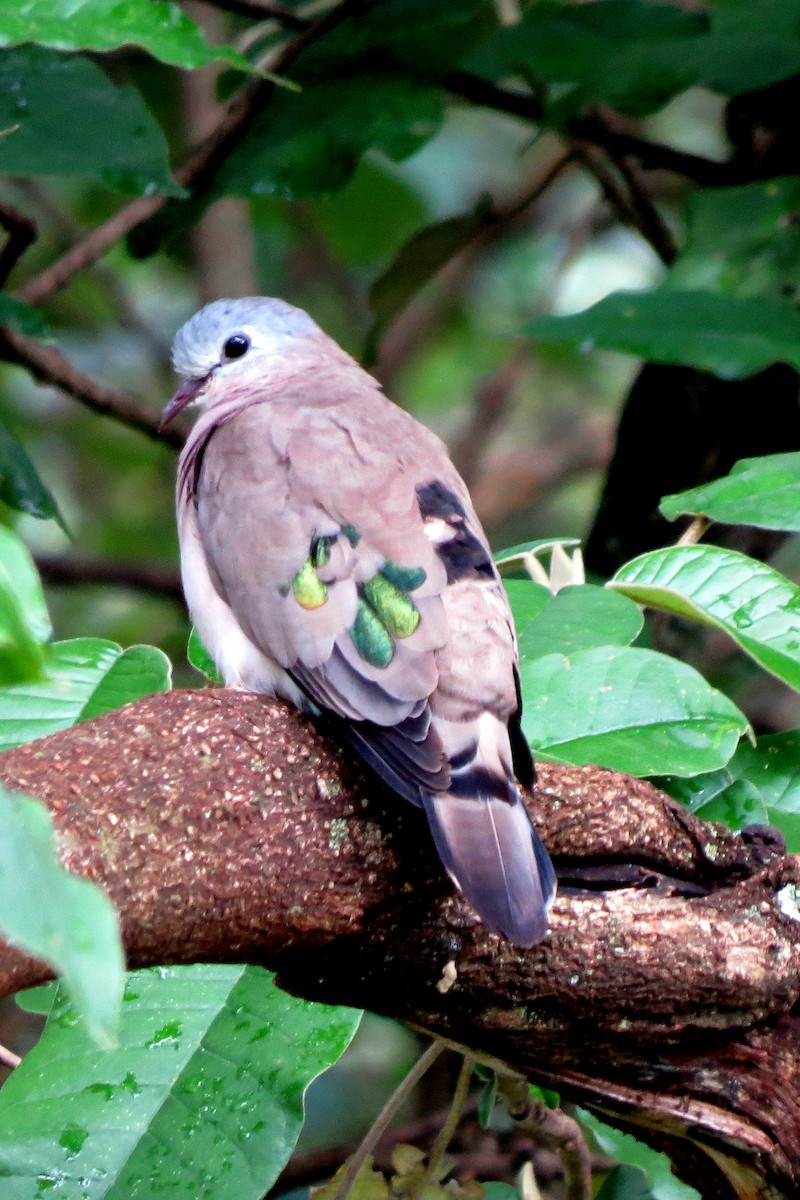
733 336
20 485
578 618
309 142
158 26
629 1150
527 599
84 678
628 709
64 920
758 491
24 620
203 1095
743 240
64 116
758 607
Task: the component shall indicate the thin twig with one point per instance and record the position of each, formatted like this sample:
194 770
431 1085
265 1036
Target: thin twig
9 1058
384 1117
21 234
694 531
553 1127
447 1132
47 364
653 155
199 168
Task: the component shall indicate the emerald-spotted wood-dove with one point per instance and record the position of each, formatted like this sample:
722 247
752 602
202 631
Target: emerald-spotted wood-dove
331 555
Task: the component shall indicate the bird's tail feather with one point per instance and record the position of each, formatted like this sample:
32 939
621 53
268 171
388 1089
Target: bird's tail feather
486 841
494 855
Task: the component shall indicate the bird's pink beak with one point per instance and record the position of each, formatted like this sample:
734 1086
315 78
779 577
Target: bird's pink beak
185 394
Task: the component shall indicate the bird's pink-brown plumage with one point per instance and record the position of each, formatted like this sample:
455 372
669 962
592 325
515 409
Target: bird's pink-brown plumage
331 555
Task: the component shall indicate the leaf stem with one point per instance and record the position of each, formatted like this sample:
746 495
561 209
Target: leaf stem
384 1118
447 1131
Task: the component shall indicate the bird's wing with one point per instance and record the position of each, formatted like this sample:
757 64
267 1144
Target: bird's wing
363 571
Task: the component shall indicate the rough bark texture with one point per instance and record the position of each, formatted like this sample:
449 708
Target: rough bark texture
226 828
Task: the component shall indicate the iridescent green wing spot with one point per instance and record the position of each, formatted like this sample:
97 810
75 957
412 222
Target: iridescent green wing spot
395 609
370 637
406 578
308 588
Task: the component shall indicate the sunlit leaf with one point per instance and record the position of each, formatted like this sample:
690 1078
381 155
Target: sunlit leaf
629 1150
527 599
203 1093
628 709
84 678
64 920
158 26
578 618
200 659
24 620
732 336
764 492
758 607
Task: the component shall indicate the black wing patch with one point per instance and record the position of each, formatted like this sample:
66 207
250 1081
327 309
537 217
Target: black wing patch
463 555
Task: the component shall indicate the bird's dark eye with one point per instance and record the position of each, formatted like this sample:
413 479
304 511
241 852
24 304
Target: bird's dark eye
236 346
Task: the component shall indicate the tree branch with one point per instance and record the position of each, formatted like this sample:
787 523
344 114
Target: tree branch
653 155
199 168
47 364
664 1003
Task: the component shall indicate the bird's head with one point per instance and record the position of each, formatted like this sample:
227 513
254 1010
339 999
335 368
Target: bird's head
230 340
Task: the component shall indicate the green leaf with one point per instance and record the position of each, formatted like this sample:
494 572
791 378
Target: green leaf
743 240
203 1094
20 485
416 264
310 142
527 599
628 709
629 1150
732 336
64 116
517 554
84 678
200 659
694 792
578 618
764 492
634 56
157 26
66 921
758 607
20 315
773 766
24 620
625 1183
739 805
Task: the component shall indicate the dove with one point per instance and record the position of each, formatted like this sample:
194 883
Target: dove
331 556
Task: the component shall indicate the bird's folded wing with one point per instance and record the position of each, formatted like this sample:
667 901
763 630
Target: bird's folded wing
321 550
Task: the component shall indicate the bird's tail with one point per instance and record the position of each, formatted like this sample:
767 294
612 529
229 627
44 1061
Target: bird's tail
487 843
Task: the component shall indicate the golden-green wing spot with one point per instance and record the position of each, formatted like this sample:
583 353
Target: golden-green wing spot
309 590
392 605
406 578
370 638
